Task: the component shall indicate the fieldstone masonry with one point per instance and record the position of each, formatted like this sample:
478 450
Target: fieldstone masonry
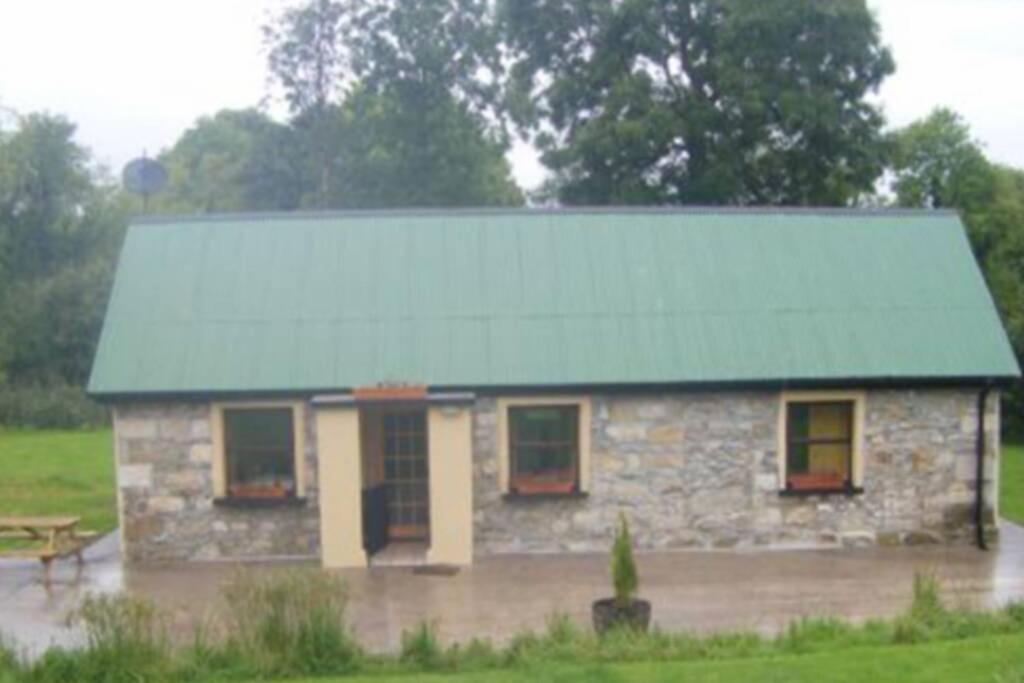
700 470
165 493
696 470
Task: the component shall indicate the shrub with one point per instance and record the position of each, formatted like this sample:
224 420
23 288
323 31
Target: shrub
56 406
478 654
624 575
1015 613
562 630
125 640
927 604
290 623
10 665
807 634
421 647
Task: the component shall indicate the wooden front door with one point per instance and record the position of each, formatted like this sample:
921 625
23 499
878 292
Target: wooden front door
406 475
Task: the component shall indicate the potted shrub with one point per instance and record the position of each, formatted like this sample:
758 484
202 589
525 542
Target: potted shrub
625 609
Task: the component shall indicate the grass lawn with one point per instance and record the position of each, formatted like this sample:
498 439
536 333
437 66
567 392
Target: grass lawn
989 660
1011 483
59 473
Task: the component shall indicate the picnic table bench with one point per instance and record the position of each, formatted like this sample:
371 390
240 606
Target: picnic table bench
51 538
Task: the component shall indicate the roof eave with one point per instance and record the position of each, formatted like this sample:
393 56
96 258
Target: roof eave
193 395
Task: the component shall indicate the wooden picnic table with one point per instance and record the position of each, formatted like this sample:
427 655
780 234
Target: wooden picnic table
50 538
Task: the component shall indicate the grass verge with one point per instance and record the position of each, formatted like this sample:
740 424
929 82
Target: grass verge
976 660
1011 483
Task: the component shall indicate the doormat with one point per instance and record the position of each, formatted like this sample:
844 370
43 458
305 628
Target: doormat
436 570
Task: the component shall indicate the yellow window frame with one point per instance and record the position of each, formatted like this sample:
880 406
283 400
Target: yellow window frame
857 398
220 456
582 403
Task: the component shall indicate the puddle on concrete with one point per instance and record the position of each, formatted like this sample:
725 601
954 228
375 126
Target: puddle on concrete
500 596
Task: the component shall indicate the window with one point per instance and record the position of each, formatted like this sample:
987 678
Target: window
544 449
259 451
820 445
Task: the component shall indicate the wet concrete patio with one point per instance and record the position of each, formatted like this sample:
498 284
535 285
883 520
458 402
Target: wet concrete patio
499 596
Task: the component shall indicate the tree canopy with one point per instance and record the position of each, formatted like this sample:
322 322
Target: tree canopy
235 160
60 227
392 103
700 101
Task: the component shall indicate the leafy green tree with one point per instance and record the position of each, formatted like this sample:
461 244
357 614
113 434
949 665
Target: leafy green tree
426 53
307 56
409 119
235 160
940 165
937 164
61 225
700 101
43 181
392 155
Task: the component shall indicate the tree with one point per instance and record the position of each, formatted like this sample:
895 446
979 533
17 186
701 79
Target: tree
235 160
427 53
939 165
410 119
393 155
700 101
43 180
936 164
61 225
307 57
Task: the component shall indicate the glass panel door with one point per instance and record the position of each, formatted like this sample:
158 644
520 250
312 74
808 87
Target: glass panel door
405 474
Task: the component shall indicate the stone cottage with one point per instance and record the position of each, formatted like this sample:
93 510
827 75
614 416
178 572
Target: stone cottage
433 386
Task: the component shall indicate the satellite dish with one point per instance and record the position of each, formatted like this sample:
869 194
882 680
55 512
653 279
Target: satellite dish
144 176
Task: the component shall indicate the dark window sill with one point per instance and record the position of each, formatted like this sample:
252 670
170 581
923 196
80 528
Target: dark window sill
513 496
259 503
804 493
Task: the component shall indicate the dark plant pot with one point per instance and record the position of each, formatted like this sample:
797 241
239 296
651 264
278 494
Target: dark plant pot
608 615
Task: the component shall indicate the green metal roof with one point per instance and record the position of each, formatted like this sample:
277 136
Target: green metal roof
545 298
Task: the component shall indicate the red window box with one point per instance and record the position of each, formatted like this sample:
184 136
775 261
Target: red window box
816 482
532 485
263 491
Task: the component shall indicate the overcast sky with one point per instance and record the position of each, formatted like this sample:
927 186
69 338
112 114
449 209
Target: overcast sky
134 74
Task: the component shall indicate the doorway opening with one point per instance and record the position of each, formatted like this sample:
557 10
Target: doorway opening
396 482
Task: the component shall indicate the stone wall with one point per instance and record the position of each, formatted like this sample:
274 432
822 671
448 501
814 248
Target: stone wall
165 492
696 470
700 470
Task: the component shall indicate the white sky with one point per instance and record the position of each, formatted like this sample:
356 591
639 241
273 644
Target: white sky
134 74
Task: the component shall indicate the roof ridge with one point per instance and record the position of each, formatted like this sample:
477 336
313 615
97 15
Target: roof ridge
620 210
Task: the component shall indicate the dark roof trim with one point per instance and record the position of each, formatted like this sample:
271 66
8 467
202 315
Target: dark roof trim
151 219
326 395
